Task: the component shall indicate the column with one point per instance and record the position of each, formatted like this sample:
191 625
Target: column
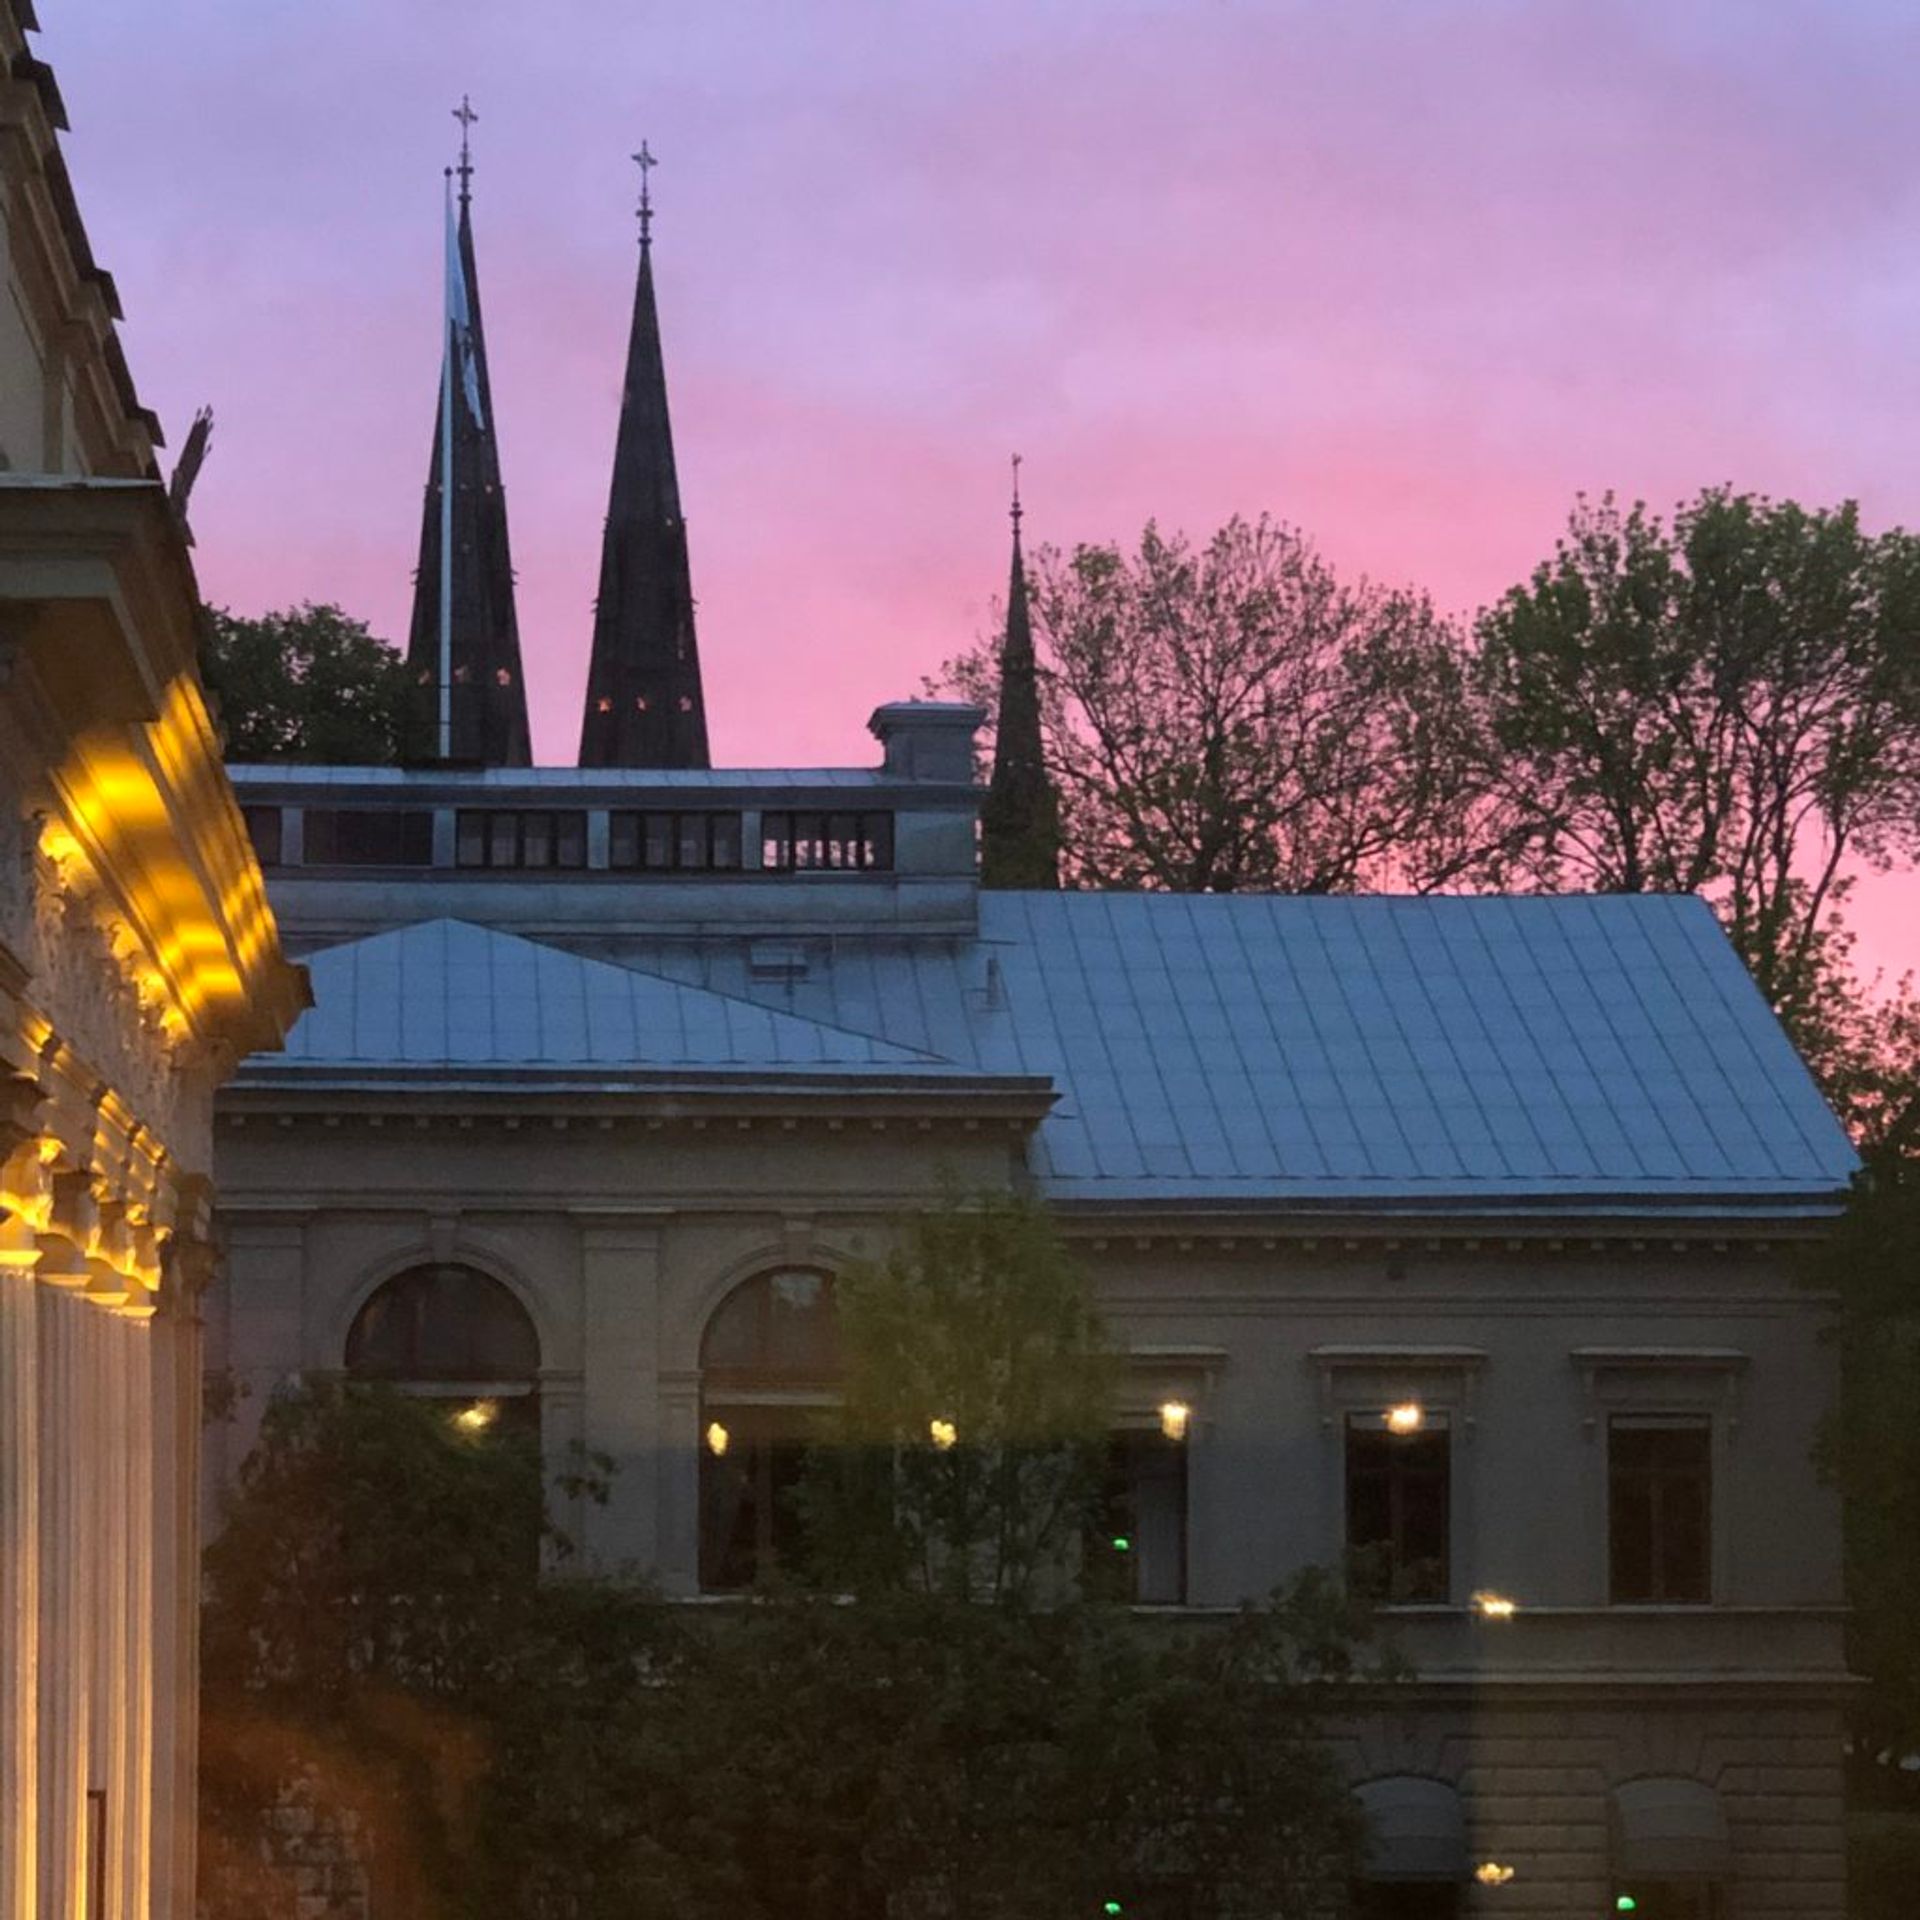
620 1289
23 1181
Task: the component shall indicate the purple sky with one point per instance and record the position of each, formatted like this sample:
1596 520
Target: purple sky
1407 274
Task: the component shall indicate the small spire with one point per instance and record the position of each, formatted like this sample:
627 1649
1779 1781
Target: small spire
645 161
465 114
1020 816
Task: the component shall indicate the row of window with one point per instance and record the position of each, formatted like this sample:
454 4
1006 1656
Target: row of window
770 1359
1399 1487
542 838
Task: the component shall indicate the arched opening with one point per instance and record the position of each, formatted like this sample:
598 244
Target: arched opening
452 1333
769 1362
1415 1866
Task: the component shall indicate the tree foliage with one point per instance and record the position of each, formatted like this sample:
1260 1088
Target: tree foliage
1727 705
1234 715
966 1454
309 683
969 1737
1870 1445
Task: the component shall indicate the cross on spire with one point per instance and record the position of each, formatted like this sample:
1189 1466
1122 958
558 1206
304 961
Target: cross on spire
645 161
1015 511
465 114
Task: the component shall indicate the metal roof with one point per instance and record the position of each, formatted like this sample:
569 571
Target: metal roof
1590 1052
447 994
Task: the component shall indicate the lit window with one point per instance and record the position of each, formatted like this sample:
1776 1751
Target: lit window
769 1362
454 1334
1399 1499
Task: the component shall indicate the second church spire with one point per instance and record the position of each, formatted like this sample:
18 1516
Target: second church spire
645 706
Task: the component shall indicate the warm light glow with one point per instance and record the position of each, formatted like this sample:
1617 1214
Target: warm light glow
1174 1415
1492 1873
717 1439
942 1433
1493 1606
1408 1417
478 1417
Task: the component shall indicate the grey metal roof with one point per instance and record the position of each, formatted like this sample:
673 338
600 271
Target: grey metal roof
447 994
1591 1052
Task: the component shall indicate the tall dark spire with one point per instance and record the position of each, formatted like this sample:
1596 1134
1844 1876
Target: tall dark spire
644 704
1020 820
488 703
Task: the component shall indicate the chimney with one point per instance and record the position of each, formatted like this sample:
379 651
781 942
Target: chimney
928 739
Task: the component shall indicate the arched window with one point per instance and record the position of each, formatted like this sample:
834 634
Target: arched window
456 1334
769 1362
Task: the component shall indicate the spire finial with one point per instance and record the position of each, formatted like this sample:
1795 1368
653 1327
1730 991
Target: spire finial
465 114
1015 511
645 161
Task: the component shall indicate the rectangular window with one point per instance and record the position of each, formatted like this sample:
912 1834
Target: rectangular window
263 829
1143 1519
528 840
1659 1509
674 842
369 837
827 842
1399 1502
750 1522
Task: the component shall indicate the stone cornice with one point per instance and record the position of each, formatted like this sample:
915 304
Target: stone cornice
97 622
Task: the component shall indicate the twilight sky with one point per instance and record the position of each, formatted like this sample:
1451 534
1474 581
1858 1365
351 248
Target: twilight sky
1409 273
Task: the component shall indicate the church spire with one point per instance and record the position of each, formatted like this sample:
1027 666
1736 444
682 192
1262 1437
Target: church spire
1020 820
486 703
644 705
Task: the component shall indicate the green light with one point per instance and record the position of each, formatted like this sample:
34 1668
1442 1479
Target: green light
1626 1903
1121 1544
1112 1906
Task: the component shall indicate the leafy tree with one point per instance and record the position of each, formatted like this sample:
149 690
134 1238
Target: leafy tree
1870 1448
372 1602
977 1748
1234 716
309 683
1729 705
966 1454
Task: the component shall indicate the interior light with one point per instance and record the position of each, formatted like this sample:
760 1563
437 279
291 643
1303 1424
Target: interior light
1408 1417
1493 1873
1174 1415
1493 1606
717 1438
942 1433
478 1417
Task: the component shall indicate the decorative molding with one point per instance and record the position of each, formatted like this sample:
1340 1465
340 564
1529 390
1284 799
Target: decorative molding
1702 1377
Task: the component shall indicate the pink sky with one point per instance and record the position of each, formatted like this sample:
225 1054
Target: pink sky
1408 274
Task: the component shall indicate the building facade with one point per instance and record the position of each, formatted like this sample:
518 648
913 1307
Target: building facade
1461 1230
138 961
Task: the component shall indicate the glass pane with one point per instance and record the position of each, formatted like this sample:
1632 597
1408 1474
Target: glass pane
470 844
726 841
503 839
570 840
659 842
536 840
693 840
623 840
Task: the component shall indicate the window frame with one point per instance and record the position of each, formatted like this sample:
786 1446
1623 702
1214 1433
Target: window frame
1657 1481
784 831
716 828
1403 1480
505 829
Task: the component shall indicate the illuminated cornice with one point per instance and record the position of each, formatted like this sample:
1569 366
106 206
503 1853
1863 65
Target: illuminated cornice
97 609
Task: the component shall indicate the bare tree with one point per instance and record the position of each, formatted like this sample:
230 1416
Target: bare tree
1233 716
